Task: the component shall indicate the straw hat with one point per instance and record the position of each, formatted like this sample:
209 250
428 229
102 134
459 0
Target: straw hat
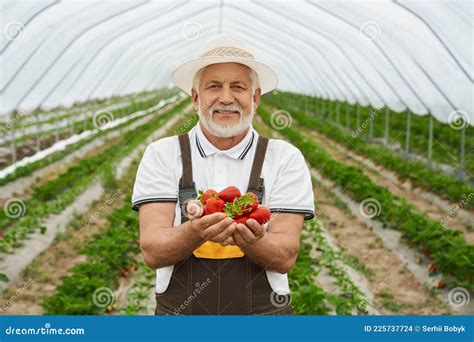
223 48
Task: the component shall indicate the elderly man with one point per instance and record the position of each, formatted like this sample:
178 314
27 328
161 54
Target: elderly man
212 265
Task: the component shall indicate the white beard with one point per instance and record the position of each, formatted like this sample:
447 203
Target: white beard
225 131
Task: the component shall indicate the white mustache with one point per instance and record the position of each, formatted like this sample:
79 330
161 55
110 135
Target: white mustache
227 108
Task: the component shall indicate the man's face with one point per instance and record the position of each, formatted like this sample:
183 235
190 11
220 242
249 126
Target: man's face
225 100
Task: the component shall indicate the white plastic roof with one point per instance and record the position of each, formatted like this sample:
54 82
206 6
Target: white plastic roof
405 54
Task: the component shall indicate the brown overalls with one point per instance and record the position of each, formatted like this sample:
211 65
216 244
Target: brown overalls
233 286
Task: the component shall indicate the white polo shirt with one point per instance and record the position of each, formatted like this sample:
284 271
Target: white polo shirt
286 177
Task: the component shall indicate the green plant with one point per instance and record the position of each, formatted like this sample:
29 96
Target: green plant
418 173
446 248
52 197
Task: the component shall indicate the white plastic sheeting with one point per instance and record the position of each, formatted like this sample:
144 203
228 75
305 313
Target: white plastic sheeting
414 55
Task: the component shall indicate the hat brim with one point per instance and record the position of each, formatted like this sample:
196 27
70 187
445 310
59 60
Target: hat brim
184 74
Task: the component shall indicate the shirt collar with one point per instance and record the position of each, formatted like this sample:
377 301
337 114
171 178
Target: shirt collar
239 151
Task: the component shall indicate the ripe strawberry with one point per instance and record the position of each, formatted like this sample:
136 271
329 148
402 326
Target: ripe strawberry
241 206
203 196
229 193
249 202
214 205
261 215
242 219
432 268
440 285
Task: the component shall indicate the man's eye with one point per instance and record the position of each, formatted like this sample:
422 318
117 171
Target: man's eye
214 86
238 87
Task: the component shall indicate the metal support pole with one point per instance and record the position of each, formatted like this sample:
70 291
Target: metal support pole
37 133
347 115
387 123
430 141
407 140
371 123
13 118
338 113
358 115
462 172
71 123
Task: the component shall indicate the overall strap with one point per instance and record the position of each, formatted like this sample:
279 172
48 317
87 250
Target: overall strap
187 189
255 181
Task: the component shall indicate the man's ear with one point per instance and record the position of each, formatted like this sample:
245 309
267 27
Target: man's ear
195 95
256 97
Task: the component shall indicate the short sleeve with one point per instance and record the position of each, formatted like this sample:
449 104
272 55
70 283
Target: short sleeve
155 180
292 191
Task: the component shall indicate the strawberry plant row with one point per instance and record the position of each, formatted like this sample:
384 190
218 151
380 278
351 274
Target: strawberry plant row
52 197
109 255
397 124
447 248
417 172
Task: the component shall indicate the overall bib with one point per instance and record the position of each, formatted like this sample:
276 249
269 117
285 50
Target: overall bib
220 286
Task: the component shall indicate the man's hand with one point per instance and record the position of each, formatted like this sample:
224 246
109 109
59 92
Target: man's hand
248 234
215 227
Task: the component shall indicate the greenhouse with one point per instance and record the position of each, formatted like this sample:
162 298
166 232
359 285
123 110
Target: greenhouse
109 106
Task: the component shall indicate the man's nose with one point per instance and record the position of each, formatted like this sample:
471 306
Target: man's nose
226 96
